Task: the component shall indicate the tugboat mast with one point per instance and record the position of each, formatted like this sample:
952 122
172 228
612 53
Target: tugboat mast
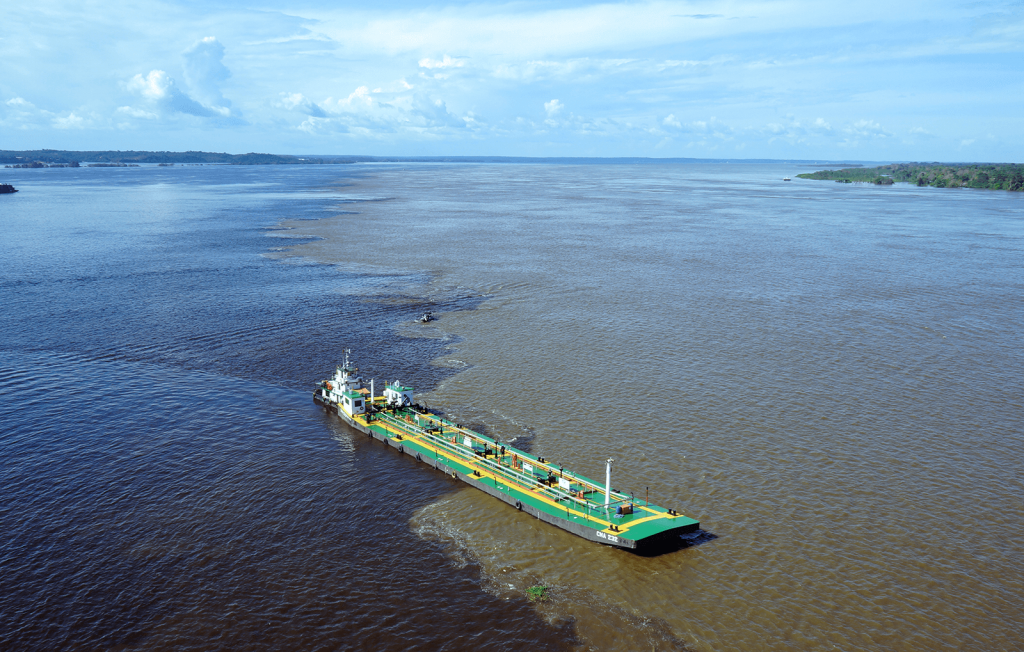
608 484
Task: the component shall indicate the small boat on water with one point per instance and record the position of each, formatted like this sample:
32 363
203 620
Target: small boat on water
531 484
7 189
786 179
427 317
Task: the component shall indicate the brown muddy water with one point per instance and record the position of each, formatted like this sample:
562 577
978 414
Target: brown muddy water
828 376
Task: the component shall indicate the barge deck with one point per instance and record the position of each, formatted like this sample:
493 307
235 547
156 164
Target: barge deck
527 482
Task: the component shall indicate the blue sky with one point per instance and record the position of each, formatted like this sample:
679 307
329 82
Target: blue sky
790 79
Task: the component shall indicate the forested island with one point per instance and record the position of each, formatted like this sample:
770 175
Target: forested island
1003 176
43 158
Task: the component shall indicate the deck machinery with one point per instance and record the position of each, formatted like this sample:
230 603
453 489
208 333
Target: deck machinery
529 483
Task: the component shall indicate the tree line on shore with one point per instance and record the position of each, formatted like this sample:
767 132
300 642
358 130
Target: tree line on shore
1000 176
41 164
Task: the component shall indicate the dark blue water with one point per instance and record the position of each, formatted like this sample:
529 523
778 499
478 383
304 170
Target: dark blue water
167 481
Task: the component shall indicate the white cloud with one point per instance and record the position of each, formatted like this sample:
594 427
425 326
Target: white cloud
380 113
519 31
22 114
967 142
315 126
155 86
797 131
553 108
445 62
205 72
70 121
436 114
577 71
866 129
136 113
360 97
700 129
160 92
298 102
670 64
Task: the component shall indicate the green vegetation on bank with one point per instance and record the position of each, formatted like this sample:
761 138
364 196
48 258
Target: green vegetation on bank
1004 176
61 158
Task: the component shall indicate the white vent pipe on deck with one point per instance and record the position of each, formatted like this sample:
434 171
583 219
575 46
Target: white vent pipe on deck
608 484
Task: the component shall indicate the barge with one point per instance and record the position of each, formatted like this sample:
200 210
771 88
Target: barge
531 484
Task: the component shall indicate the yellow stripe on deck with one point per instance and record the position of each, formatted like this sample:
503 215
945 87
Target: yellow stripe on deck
483 469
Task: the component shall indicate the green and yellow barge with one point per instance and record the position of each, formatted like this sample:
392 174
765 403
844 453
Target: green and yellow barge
527 482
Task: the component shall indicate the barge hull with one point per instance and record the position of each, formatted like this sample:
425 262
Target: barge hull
463 469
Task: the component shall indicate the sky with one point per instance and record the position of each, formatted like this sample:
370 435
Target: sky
788 79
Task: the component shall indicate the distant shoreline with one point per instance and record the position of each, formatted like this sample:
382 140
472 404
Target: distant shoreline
47 158
1003 176
971 175
68 158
